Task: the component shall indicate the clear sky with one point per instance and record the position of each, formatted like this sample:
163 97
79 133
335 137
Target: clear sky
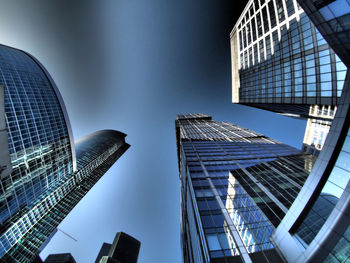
132 65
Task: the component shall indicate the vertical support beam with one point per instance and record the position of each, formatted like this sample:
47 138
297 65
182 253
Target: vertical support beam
234 232
5 160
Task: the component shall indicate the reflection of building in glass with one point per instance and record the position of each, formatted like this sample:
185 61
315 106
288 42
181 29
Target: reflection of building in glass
236 186
316 218
42 177
318 128
243 211
325 215
281 63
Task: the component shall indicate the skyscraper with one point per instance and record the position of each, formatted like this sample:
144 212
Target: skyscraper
316 227
281 63
328 240
236 187
43 173
124 249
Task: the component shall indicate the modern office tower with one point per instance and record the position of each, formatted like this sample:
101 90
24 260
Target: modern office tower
236 187
281 63
332 20
326 193
125 249
103 251
60 258
317 128
43 173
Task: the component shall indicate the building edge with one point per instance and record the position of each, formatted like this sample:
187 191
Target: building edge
63 107
329 243
284 237
60 100
83 181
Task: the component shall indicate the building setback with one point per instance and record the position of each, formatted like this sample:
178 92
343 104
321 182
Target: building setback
236 187
281 63
43 173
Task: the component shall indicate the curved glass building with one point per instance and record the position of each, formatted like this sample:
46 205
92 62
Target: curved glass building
247 198
37 131
296 63
40 182
329 182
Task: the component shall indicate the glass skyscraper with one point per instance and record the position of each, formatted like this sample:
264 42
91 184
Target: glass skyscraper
296 63
282 63
236 187
43 173
317 226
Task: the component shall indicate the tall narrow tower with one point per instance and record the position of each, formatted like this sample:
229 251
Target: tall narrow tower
236 186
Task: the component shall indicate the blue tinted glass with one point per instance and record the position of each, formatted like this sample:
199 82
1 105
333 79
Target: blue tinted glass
340 66
325 60
325 68
341 75
213 242
207 221
339 177
310 71
298 88
223 240
339 7
326 13
326 77
311 79
37 137
344 161
218 220
310 63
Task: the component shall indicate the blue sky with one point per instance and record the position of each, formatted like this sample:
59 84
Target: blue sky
132 66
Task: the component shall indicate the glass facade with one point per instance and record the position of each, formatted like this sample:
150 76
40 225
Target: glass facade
300 68
333 22
330 194
285 59
44 184
285 65
96 153
38 137
236 186
318 226
340 252
317 128
38 140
